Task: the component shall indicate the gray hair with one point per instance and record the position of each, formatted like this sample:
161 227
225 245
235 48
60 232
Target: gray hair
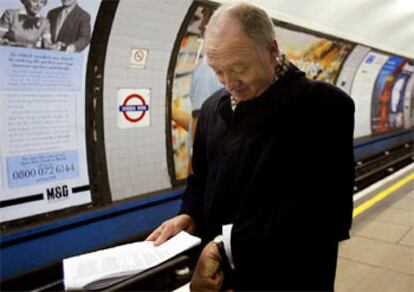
255 22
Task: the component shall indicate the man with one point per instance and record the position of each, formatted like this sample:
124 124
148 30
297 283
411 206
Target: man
70 26
203 84
273 166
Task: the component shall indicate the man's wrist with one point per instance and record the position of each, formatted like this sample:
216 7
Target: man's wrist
219 243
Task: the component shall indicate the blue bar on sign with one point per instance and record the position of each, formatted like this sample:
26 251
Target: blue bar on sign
133 108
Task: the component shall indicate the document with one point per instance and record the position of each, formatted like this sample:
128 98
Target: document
102 268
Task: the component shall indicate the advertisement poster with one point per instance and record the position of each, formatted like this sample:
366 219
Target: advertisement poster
409 100
387 111
350 67
189 57
362 91
43 54
319 58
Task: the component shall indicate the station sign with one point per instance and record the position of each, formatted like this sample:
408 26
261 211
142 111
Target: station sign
133 108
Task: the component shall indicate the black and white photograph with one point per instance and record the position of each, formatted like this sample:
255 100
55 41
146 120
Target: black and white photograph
58 25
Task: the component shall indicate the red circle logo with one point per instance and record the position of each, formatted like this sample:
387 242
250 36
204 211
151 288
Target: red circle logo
141 115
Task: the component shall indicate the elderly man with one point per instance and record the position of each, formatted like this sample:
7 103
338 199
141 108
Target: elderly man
273 166
70 26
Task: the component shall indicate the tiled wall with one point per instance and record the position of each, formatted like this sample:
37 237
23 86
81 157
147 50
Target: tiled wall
137 158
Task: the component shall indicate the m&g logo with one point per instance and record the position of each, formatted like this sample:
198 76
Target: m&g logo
57 193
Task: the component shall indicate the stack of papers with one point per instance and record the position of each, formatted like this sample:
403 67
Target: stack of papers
105 267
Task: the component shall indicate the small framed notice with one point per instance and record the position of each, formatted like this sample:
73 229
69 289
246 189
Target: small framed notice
138 58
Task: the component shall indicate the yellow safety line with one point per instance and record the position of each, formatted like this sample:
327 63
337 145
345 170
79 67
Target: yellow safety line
368 204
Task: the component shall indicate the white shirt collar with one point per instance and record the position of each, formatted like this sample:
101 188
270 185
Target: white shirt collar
69 9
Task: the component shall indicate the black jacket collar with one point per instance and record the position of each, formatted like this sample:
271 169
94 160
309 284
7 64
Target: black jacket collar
254 112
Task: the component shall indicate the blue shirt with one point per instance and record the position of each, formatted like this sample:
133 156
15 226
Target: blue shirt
203 84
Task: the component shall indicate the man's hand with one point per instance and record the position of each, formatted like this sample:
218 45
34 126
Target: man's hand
207 274
70 48
54 47
171 227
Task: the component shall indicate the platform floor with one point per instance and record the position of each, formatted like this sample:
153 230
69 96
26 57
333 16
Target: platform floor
380 254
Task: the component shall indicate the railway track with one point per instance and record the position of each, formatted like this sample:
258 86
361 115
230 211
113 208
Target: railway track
378 166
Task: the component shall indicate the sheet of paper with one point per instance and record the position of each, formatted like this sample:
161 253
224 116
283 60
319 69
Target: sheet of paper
122 261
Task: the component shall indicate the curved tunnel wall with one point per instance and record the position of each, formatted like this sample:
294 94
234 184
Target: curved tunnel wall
137 158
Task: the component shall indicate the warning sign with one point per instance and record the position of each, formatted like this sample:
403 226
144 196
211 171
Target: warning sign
138 58
133 108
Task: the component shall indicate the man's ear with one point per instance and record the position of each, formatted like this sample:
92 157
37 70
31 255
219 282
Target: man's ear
274 49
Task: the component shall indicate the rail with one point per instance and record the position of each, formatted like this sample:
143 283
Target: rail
381 164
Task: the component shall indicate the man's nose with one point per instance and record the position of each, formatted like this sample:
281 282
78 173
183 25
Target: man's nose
230 82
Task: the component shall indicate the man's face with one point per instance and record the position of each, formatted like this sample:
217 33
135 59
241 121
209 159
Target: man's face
244 68
68 3
206 12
